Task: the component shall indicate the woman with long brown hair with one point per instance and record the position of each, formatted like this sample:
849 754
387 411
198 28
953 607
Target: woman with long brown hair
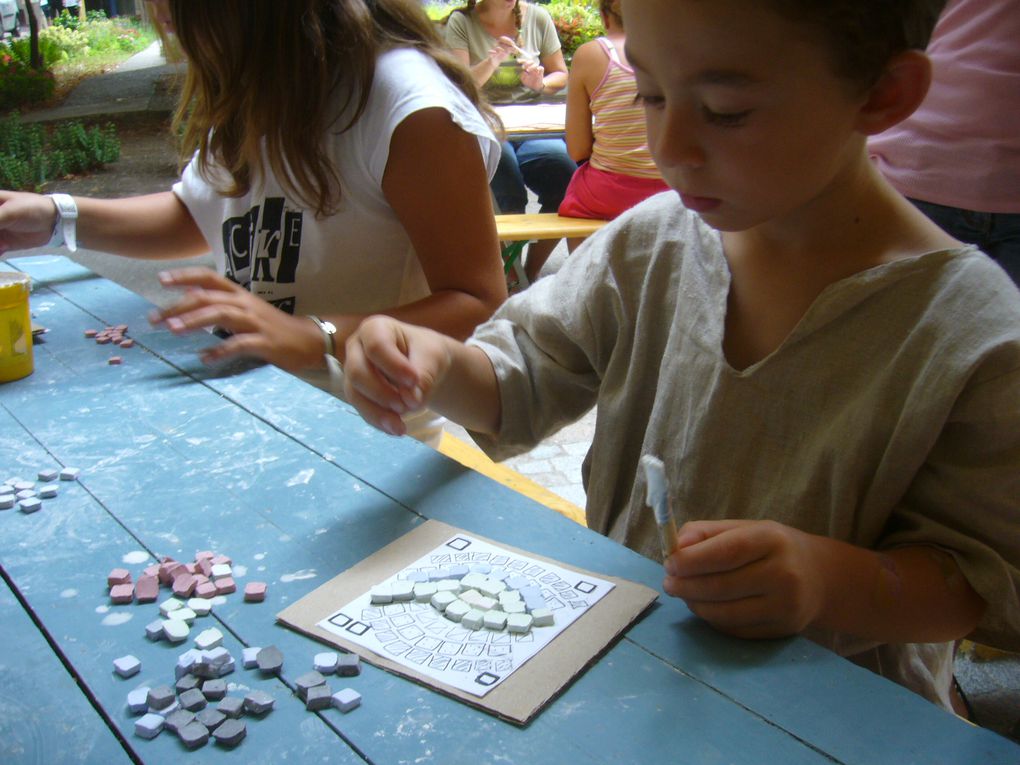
337 166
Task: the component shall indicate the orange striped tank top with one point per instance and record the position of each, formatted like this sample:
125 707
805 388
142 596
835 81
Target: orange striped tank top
618 123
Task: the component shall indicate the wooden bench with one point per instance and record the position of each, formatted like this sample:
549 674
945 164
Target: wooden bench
517 230
472 457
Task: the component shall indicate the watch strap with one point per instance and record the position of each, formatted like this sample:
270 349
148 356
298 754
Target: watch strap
328 330
65 230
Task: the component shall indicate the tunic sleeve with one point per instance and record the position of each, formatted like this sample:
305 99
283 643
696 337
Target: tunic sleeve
547 348
966 497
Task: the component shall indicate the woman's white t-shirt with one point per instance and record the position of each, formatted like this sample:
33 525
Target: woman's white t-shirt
359 259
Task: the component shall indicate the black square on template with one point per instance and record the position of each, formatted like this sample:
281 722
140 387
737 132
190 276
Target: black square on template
459 543
340 620
358 628
586 587
487 679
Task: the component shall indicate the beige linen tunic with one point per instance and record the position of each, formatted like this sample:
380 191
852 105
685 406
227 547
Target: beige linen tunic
890 416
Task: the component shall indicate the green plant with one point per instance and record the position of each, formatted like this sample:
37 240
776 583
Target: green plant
70 42
97 34
438 10
22 160
29 156
20 84
576 23
50 50
70 20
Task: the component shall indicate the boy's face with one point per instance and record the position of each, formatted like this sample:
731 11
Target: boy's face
746 119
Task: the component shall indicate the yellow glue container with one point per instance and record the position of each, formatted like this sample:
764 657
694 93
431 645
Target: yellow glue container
15 327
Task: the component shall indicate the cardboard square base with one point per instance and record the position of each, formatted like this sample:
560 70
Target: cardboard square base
531 686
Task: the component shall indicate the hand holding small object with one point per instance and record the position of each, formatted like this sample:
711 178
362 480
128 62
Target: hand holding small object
391 368
751 579
503 49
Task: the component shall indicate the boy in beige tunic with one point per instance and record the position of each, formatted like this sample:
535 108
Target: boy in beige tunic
832 382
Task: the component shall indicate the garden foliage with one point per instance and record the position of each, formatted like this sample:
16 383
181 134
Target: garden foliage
31 154
65 43
20 84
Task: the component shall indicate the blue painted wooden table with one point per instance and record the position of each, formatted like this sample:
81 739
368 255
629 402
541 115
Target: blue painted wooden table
295 488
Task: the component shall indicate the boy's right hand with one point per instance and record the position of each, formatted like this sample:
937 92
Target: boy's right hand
391 368
26 220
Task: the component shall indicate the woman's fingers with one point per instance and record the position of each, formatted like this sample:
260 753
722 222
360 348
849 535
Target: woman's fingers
197 276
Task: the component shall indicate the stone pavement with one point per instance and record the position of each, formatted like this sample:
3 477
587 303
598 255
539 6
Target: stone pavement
991 682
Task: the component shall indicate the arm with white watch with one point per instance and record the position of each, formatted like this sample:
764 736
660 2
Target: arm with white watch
65 229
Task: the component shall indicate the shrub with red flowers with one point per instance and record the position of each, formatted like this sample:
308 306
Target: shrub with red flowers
20 84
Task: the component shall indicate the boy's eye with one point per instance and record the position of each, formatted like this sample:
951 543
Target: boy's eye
651 102
725 119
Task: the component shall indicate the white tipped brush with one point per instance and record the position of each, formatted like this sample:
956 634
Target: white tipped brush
657 498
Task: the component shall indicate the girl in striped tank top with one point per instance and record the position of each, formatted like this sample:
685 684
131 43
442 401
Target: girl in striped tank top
606 126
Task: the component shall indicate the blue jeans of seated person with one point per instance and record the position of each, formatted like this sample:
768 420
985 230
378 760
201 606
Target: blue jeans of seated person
539 164
997 234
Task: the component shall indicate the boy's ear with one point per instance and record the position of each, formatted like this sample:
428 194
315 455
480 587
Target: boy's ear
899 91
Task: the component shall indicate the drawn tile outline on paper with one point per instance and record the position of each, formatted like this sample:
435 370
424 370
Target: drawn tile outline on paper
420 638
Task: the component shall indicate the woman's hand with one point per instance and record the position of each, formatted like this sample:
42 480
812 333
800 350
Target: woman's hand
26 220
752 579
504 48
258 329
533 76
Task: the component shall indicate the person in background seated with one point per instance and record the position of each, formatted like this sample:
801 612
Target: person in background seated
831 380
958 156
606 129
339 167
514 54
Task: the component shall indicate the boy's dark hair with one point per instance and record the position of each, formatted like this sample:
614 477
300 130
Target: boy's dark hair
863 35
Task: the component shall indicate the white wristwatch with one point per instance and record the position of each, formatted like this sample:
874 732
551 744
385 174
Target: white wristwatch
65 230
328 330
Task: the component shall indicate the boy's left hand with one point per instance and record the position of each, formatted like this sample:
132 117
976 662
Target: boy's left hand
751 579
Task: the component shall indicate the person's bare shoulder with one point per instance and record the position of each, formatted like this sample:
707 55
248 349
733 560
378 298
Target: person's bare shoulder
589 64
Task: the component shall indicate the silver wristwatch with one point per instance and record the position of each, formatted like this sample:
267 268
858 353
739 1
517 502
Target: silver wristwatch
65 230
328 330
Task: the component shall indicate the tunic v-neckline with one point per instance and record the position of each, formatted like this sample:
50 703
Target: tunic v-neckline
831 302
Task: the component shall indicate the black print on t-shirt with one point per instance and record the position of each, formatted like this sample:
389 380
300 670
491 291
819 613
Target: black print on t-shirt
263 248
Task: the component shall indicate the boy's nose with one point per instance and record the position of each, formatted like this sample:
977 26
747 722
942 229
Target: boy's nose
676 142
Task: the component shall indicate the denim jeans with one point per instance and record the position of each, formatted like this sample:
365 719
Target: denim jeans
539 164
997 234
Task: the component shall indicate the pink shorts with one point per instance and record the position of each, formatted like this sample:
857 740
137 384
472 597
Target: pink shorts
594 193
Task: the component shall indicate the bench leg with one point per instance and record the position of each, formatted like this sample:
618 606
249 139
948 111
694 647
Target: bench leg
512 254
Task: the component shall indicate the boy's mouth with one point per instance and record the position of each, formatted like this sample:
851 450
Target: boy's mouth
699 204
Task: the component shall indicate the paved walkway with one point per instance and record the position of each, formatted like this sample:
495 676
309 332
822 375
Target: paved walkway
131 87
